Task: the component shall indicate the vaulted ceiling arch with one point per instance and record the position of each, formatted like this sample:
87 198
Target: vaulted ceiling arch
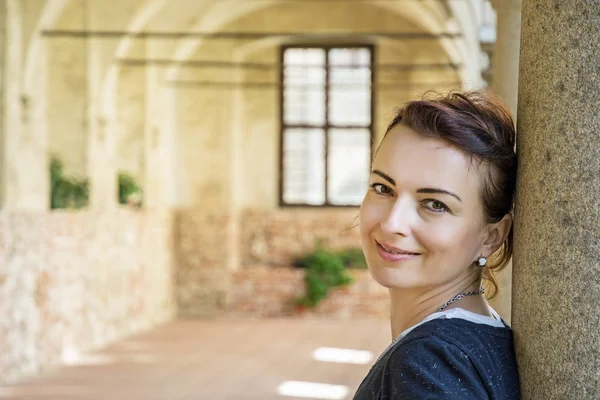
49 16
210 16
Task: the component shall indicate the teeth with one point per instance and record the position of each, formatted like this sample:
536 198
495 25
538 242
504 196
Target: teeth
392 251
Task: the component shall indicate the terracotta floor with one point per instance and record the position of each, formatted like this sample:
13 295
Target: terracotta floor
216 359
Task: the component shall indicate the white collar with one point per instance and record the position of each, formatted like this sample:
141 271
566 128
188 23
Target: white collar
461 313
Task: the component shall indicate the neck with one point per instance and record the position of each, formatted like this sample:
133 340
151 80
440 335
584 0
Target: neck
410 306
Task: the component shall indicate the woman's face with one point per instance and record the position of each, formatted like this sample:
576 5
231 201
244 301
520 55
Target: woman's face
422 222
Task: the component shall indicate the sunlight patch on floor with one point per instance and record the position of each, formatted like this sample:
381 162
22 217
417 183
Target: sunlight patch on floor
344 356
312 390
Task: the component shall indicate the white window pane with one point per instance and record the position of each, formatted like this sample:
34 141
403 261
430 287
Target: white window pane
350 86
350 57
350 105
355 77
304 166
304 76
304 56
304 105
304 86
348 159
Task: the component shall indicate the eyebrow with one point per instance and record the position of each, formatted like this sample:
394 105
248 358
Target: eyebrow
384 176
441 191
421 190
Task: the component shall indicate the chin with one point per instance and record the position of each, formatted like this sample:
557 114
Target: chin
387 277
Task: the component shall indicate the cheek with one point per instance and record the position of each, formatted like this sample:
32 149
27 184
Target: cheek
364 219
369 216
453 239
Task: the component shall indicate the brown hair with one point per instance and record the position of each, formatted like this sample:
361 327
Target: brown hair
480 124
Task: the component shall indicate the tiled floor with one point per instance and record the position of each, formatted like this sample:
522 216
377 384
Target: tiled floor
216 359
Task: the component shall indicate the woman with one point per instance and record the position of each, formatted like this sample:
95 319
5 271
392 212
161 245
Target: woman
435 222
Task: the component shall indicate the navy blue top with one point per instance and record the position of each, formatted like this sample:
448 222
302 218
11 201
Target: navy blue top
446 359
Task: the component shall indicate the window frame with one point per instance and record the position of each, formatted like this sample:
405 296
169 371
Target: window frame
326 126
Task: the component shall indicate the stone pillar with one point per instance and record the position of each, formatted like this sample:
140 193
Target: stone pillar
101 127
101 162
24 178
505 82
3 97
556 286
155 151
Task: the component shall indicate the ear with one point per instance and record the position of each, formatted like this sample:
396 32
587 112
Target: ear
497 234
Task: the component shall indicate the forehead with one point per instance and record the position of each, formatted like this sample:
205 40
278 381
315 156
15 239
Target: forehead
413 160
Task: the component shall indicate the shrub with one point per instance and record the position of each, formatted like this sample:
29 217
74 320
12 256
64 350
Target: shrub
66 192
129 191
324 270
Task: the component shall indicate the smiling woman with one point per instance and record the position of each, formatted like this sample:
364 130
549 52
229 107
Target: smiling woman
438 207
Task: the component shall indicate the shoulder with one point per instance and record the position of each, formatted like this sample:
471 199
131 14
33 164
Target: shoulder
425 365
487 347
450 358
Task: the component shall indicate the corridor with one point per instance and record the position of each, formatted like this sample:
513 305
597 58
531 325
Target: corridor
218 359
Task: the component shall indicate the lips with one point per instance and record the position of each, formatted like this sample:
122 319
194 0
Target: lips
394 250
391 253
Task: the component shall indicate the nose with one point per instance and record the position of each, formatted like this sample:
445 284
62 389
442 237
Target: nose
397 220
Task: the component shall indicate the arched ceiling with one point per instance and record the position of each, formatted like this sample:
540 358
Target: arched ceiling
208 16
48 17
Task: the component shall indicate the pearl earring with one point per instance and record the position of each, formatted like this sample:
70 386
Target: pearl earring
482 261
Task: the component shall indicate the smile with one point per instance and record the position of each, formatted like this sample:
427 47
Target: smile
394 254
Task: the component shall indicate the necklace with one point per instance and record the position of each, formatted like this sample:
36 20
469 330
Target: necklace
460 296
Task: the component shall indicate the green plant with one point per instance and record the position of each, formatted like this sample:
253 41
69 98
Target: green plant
129 191
324 270
65 191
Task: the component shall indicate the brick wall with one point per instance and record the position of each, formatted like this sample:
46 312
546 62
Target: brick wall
263 283
75 281
261 292
203 273
276 237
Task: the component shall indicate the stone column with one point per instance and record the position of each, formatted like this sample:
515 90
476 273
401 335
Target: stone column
505 82
3 98
101 126
101 162
24 169
556 286
157 149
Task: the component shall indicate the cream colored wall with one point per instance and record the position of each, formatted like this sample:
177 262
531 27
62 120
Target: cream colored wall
75 70
67 95
205 113
131 116
203 130
3 45
78 97
205 127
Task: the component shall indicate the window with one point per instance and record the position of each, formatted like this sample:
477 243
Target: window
326 125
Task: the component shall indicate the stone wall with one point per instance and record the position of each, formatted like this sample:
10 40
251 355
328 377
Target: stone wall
76 281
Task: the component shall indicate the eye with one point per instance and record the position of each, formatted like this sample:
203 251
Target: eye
435 206
380 188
